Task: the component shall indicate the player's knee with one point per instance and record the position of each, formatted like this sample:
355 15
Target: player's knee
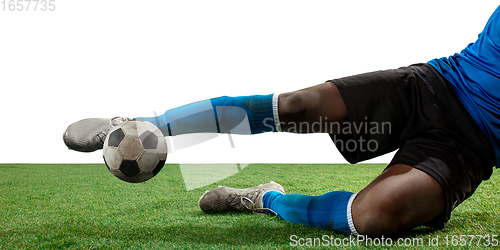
293 106
291 103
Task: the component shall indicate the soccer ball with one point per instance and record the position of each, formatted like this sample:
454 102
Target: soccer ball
135 151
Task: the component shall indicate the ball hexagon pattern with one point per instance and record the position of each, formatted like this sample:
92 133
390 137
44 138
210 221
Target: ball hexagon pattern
135 151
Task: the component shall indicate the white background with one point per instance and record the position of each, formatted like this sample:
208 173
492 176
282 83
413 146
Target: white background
133 58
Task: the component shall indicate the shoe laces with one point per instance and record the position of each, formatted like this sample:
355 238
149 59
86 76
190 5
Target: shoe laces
255 209
115 121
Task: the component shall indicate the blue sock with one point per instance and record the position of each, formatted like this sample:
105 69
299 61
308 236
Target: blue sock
329 211
236 115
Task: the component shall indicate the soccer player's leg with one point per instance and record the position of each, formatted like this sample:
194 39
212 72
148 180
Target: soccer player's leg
436 178
237 115
400 198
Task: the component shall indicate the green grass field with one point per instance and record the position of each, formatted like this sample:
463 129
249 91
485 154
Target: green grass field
85 207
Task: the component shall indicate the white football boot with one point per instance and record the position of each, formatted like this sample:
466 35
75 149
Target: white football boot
249 199
88 135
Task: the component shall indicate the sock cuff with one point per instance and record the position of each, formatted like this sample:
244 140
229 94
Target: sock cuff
268 200
349 215
275 112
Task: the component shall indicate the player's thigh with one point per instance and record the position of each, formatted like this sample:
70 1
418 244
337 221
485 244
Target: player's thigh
321 105
400 198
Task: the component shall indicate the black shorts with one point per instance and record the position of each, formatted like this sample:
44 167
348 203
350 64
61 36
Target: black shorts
415 110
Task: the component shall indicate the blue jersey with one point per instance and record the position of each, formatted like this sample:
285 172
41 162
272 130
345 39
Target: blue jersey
475 76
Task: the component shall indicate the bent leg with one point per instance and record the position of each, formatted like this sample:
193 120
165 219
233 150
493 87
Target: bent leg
400 198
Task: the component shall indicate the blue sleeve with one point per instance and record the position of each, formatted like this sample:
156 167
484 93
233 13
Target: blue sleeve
486 50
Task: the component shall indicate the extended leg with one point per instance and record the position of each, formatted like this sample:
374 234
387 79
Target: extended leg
237 115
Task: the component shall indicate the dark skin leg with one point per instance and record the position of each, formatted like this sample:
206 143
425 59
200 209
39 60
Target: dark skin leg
318 103
400 198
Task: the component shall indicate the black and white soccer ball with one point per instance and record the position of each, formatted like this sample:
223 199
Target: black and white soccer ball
135 151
